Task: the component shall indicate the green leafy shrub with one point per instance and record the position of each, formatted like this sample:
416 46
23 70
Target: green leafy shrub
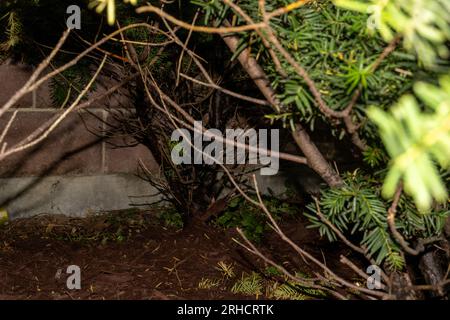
252 220
171 218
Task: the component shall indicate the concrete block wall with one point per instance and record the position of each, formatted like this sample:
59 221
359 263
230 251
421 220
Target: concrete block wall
73 171
72 148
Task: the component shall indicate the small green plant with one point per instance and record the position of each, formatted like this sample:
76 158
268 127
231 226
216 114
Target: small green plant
254 285
207 283
171 218
287 289
250 285
271 271
250 219
13 31
286 292
227 269
310 292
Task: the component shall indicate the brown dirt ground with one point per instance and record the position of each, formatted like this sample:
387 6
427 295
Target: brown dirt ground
125 256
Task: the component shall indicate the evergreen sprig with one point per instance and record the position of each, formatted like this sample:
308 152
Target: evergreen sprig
415 140
358 210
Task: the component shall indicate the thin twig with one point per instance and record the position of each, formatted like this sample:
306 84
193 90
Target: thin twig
187 26
55 124
8 125
26 87
361 273
391 222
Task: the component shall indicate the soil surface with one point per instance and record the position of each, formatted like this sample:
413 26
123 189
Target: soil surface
133 256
